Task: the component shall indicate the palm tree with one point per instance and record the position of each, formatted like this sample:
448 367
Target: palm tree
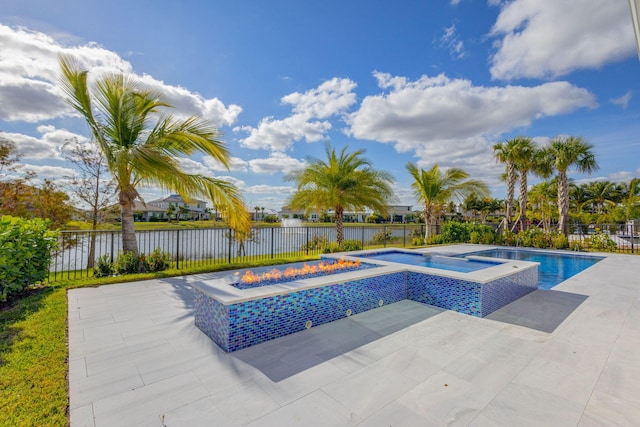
434 189
542 196
119 114
525 156
561 154
504 152
344 181
600 195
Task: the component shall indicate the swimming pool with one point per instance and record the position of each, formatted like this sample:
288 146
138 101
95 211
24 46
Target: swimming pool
554 267
429 260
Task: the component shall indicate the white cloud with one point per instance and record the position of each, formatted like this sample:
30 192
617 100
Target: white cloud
193 167
270 189
235 164
47 146
308 121
550 38
451 121
452 42
622 101
277 163
29 79
279 135
55 173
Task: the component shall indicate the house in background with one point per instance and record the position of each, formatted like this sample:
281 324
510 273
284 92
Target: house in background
157 210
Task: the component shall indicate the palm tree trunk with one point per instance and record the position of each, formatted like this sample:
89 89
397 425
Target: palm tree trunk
523 200
427 224
339 224
129 243
511 184
563 203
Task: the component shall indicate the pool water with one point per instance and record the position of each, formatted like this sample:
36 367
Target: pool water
554 268
432 261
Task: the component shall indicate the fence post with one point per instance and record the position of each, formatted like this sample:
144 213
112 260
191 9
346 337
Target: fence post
112 259
362 238
230 237
306 252
633 236
404 235
178 249
272 245
384 235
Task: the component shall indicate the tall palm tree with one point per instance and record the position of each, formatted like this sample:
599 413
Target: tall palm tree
434 189
119 113
562 154
504 152
525 156
343 181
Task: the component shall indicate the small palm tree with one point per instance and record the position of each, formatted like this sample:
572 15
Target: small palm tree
526 158
434 189
119 114
562 154
343 181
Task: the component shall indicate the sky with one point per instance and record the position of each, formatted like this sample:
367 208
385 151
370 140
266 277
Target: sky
428 82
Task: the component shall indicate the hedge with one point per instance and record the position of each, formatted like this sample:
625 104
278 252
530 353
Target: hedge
25 253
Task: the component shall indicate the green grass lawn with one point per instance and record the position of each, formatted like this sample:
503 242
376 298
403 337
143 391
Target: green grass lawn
33 347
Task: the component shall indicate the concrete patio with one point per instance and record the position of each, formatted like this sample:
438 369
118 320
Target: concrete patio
566 357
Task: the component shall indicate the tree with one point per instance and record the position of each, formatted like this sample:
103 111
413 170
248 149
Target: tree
51 203
543 195
9 156
434 189
601 195
344 181
92 186
562 154
504 152
521 155
119 113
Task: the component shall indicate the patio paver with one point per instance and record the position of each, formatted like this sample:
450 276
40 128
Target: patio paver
566 357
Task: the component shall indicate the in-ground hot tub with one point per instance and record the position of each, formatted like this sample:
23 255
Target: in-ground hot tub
236 316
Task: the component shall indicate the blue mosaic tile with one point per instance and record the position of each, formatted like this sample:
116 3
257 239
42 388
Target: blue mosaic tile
251 322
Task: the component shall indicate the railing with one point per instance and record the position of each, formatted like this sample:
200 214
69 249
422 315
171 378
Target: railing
78 250
621 238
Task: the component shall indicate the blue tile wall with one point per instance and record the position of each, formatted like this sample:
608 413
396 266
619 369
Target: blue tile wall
251 322
500 292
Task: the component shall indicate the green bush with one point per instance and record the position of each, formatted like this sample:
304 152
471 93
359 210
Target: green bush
417 241
435 239
455 232
158 260
381 237
474 237
559 241
601 241
316 243
129 263
345 246
25 253
103 267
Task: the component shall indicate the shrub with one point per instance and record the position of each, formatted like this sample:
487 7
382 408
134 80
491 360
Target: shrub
158 260
474 237
436 239
576 246
455 232
381 237
345 246
601 241
103 267
25 253
417 241
316 242
129 263
559 241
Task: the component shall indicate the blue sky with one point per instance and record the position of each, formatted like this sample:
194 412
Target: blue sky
421 81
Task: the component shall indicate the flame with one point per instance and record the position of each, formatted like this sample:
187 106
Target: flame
292 273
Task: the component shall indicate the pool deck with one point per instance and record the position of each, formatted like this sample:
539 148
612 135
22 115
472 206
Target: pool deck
564 357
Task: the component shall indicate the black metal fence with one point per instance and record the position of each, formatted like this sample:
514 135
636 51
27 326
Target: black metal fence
79 250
